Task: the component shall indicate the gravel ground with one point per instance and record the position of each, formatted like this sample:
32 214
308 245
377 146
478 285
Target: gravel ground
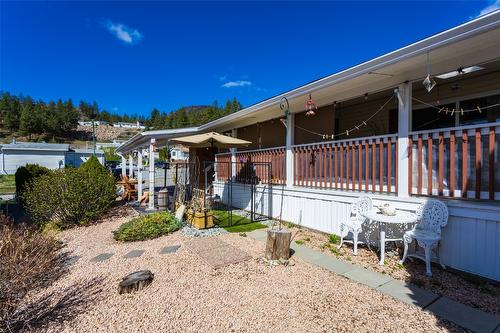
189 296
465 289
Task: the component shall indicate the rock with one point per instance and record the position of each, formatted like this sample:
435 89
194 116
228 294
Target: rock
135 281
242 234
188 231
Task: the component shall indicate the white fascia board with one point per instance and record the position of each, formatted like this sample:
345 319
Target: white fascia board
135 140
474 27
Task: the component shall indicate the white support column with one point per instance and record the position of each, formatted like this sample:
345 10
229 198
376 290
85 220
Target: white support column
290 137
124 165
152 175
234 134
139 174
404 120
131 165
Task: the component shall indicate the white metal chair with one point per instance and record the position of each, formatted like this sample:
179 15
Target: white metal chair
432 216
355 221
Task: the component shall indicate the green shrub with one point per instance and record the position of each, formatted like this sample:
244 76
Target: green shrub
334 239
110 155
71 196
147 227
26 174
93 165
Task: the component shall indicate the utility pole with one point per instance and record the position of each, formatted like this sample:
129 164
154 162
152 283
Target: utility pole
93 136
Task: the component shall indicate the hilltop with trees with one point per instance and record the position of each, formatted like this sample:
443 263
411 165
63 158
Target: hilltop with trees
58 120
192 115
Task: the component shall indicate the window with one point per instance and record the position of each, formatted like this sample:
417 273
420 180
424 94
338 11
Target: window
489 115
431 118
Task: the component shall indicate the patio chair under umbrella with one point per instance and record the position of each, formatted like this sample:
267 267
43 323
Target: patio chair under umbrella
211 139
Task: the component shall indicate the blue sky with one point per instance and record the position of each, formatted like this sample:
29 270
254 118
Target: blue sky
133 56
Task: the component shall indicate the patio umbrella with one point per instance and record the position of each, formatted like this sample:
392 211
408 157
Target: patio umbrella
211 139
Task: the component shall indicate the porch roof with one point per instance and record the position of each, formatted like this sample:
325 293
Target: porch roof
142 140
472 43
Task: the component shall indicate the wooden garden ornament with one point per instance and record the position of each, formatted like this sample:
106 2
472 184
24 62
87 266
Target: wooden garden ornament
135 281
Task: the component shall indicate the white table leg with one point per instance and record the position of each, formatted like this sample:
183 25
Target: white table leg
382 246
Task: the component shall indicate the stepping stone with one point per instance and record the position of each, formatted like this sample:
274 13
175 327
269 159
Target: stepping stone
215 252
370 278
334 265
134 254
73 260
408 293
465 316
102 257
169 249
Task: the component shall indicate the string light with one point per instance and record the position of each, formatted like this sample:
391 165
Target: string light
452 112
365 122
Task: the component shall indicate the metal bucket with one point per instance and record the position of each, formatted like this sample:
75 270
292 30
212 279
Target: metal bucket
163 199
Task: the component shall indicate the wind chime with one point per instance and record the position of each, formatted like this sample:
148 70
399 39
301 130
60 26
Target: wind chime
428 82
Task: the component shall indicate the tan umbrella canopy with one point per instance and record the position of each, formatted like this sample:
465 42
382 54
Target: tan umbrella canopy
211 139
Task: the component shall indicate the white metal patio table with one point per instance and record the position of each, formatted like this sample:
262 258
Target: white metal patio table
382 220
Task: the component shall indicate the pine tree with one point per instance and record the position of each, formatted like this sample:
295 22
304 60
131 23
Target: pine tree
68 117
27 122
9 110
52 121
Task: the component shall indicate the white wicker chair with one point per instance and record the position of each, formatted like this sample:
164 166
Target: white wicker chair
432 216
355 221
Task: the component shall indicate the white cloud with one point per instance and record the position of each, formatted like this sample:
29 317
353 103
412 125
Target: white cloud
222 78
115 109
239 83
494 5
123 33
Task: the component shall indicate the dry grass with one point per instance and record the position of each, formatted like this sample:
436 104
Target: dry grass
29 262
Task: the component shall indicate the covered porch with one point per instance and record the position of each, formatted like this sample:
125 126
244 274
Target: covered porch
378 131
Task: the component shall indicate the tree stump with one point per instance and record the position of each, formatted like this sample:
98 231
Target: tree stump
135 281
278 244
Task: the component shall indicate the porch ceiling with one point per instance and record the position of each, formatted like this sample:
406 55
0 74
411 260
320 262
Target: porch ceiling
472 43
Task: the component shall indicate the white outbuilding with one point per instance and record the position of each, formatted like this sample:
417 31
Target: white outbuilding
50 155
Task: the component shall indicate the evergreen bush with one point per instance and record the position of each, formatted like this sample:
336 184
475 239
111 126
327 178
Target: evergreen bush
147 227
70 197
25 174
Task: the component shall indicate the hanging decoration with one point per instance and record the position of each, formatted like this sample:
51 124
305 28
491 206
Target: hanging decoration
311 107
452 112
429 82
285 107
353 129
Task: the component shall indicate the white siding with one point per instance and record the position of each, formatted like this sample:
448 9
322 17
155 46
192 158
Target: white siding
13 159
470 241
